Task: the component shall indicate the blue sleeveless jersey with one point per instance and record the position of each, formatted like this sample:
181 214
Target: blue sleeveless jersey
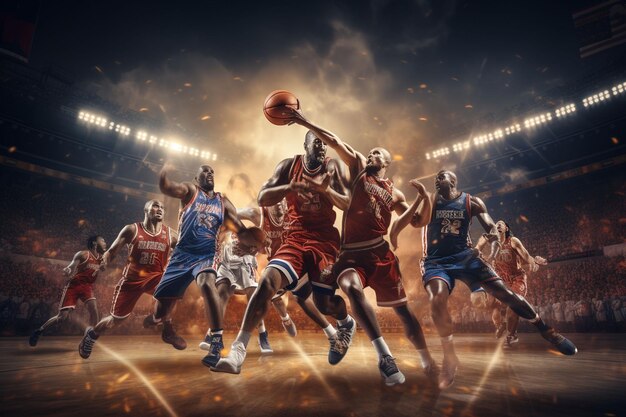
448 231
199 224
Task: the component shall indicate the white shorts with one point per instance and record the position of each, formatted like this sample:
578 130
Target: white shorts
240 278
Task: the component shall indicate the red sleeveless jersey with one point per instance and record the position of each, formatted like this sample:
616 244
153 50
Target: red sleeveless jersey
147 254
506 263
369 213
314 212
87 271
274 230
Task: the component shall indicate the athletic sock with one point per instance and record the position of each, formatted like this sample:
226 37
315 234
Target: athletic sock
286 317
262 327
330 331
243 337
447 343
215 331
425 358
345 321
381 347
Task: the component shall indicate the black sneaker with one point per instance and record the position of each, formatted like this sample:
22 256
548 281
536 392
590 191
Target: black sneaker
34 337
340 343
264 343
169 336
389 371
563 344
86 345
216 345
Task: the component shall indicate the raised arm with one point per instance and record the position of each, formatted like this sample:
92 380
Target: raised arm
79 258
125 236
355 160
410 213
181 190
252 214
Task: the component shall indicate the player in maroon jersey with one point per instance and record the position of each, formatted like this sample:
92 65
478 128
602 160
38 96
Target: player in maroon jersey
309 248
149 243
273 220
508 265
83 271
365 258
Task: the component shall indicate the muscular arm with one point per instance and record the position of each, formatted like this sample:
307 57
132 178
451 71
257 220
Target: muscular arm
173 238
278 186
479 209
332 186
234 224
408 213
79 258
521 251
181 190
252 214
355 160
125 236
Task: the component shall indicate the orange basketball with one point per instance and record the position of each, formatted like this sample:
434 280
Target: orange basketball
274 106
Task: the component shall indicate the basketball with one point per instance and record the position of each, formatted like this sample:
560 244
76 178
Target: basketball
275 104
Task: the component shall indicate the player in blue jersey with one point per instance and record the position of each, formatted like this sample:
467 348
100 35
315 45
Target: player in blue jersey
449 255
202 216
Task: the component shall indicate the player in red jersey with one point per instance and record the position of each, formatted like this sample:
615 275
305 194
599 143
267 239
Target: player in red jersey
83 271
273 220
149 243
508 265
309 248
365 258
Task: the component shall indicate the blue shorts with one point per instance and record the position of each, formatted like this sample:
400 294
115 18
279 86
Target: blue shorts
466 266
181 270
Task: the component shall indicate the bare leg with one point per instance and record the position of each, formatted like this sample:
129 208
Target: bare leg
62 316
438 294
350 282
212 302
308 306
415 334
92 307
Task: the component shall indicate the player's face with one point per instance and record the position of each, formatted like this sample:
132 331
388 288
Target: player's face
501 226
315 148
443 180
206 177
101 245
156 211
378 158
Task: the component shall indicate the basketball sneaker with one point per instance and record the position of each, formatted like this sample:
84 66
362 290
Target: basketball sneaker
563 344
448 372
34 337
340 343
389 371
215 346
169 336
500 330
290 327
264 343
232 362
86 345
206 343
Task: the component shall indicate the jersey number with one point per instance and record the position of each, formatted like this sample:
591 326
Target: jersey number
148 258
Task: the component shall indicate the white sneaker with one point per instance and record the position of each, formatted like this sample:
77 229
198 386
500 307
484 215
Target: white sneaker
232 363
290 327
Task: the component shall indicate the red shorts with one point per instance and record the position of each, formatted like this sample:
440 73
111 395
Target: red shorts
378 268
128 292
75 291
307 252
518 284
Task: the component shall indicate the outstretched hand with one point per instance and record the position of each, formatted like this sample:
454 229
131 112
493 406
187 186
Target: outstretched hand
540 260
421 190
295 115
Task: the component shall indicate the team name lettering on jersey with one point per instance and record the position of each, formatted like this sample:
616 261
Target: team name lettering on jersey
450 214
144 244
